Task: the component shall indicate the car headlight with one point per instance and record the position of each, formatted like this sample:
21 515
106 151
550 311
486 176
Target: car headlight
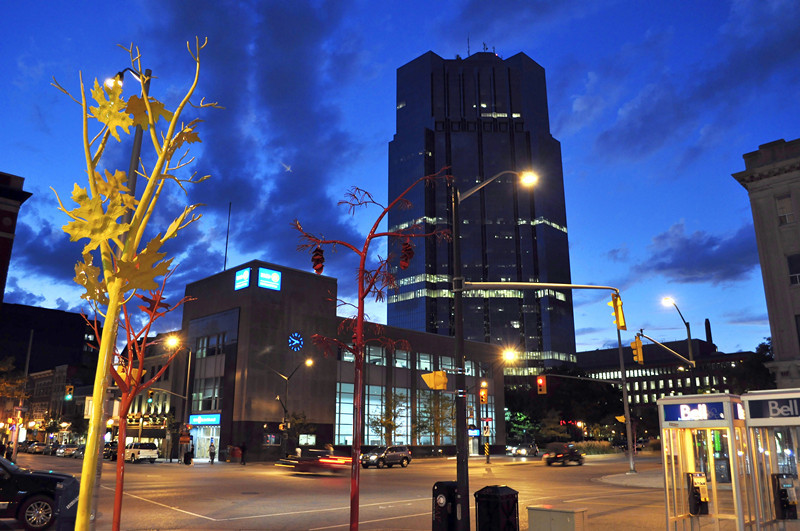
523 452
373 457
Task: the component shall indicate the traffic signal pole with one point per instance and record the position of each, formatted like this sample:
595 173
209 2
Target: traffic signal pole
538 285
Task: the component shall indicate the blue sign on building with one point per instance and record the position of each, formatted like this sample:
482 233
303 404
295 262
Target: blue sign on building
269 278
694 411
241 279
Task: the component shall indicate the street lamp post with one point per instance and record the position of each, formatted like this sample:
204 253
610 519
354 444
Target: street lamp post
666 301
308 363
462 449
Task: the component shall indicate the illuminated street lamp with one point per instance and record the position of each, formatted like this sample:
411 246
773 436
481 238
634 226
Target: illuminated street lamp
308 363
669 301
462 449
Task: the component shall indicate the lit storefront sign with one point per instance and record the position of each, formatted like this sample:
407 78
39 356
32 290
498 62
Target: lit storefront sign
694 411
774 408
209 419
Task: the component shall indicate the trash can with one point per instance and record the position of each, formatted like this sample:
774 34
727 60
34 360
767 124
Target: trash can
497 509
66 504
444 506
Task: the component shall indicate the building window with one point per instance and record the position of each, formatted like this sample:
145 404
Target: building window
207 394
784 207
794 269
210 345
424 362
446 363
375 355
401 359
344 413
797 326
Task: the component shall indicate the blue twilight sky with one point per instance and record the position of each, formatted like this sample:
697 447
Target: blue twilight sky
654 104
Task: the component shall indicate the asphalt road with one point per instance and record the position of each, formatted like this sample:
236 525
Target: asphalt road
261 496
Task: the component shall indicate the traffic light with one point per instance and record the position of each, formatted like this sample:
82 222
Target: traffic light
149 397
318 260
281 427
619 317
637 350
68 392
406 255
541 384
484 395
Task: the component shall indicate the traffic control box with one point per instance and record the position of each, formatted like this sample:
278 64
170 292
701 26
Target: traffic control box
497 509
444 506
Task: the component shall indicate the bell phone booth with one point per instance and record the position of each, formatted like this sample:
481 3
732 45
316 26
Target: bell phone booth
773 424
704 444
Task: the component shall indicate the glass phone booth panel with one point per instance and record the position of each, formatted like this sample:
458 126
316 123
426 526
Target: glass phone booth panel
704 445
773 424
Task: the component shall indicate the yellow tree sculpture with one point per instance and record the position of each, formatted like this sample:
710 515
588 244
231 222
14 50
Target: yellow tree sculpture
114 221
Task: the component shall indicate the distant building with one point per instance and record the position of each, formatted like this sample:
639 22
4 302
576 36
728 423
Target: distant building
480 116
772 180
11 198
251 328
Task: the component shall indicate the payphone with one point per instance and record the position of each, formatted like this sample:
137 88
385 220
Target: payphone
704 442
784 492
698 492
773 427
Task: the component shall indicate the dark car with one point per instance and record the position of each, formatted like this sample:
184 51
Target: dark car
79 452
386 456
30 496
110 450
562 453
50 449
318 462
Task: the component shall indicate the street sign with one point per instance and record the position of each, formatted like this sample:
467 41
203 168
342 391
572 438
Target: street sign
185 439
487 419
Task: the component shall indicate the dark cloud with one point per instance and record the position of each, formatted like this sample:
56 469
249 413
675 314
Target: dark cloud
701 257
45 251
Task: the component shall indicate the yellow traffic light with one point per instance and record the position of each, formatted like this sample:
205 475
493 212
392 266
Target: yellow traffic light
541 384
484 395
619 317
638 357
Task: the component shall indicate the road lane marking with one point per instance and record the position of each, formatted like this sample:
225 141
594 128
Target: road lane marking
361 522
290 513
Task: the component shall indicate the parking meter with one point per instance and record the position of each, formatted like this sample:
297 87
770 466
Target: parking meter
698 492
784 492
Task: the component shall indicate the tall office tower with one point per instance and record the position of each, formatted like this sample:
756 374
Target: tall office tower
772 180
478 117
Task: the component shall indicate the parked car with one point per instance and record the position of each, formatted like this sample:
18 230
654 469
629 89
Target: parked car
23 446
110 450
139 451
66 450
386 456
562 453
29 496
35 448
526 450
51 448
79 452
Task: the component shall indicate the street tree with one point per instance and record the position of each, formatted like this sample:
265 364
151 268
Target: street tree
115 221
371 282
393 410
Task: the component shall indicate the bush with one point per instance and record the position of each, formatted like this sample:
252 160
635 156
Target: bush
595 447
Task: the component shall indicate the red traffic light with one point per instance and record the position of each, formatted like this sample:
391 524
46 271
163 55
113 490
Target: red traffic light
541 385
318 260
406 255
484 395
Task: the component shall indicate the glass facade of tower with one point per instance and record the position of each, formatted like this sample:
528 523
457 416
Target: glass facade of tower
478 117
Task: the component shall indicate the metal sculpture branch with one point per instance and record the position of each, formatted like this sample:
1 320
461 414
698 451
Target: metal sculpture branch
371 282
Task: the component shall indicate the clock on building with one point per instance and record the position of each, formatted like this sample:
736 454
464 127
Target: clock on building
295 341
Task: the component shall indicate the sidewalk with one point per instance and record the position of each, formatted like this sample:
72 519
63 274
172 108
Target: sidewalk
648 479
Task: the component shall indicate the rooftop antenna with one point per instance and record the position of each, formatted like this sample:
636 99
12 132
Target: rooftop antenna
467 45
227 233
